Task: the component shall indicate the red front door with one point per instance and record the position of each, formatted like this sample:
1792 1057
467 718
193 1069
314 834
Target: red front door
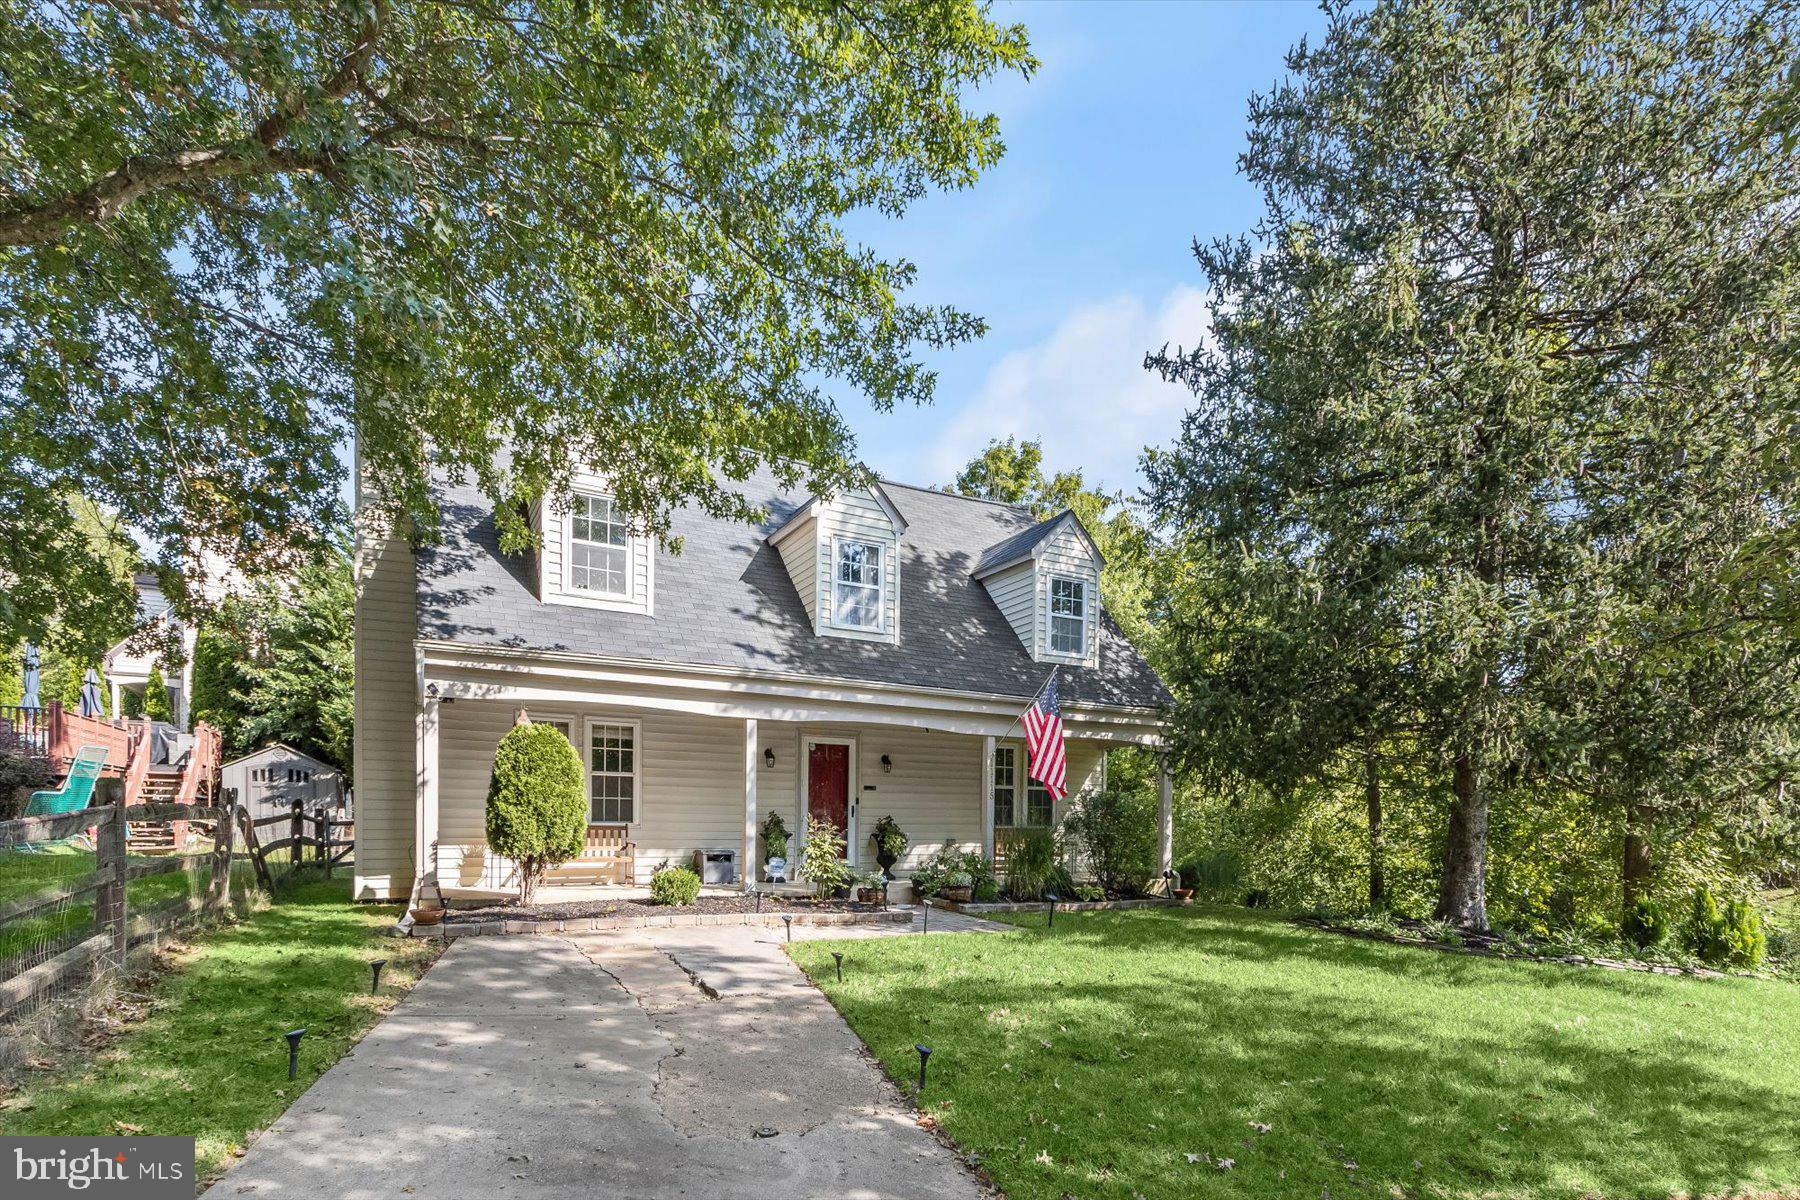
828 784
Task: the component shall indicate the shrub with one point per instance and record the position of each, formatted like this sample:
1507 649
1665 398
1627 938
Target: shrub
537 803
1706 929
822 858
1118 831
156 697
980 873
775 836
1030 860
674 885
1213 873
1089 892
1745 941
933 875
1648 924
22 771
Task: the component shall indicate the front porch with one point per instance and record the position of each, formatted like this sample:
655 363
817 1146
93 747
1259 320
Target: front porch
681 771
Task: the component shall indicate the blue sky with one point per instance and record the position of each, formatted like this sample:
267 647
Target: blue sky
1076 249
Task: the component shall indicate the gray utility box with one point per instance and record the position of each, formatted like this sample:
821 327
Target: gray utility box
716 866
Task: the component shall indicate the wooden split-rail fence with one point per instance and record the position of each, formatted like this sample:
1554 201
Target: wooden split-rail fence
297 848
69 957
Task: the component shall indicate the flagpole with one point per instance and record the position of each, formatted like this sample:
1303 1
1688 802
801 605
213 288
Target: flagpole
1034 699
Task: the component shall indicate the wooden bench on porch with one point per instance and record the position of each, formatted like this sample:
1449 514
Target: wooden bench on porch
609 856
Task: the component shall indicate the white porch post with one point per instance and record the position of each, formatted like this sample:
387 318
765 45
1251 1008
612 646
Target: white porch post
747 870
118 692
425 811
987 796
1165 818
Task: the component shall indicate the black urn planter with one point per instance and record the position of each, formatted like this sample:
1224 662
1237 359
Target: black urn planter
886 862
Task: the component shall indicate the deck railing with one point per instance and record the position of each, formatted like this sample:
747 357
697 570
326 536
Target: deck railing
59 734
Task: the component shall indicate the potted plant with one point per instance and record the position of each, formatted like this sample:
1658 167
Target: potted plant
775 848
890 844
959 887
871 887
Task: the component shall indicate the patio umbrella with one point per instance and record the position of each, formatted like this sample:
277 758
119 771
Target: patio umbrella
30 699
91 705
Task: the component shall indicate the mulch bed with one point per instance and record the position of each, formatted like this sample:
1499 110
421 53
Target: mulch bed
705 905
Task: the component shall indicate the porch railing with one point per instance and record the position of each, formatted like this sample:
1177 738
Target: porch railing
59 734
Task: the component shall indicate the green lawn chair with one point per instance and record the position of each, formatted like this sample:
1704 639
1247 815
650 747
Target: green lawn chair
75 793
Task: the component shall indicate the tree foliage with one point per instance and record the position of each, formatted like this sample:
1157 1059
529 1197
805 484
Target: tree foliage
1011 472
233 235
279 664
536 803
1500 396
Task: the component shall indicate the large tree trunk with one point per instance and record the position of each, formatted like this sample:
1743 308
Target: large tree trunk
1377 839
1637 865
1462 892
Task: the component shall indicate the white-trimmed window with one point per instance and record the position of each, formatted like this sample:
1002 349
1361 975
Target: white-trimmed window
1039 811
856 586
612 772
1068 616
599 547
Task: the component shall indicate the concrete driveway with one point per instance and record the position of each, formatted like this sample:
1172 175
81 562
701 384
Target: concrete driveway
675 1063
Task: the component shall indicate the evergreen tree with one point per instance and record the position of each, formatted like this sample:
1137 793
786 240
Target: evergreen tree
156 696
1511 342
299 677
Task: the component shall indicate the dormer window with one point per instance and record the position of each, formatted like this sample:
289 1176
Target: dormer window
856 586
599 548
1068 616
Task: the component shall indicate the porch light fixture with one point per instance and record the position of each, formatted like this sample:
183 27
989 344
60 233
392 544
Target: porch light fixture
375 975
839 956
887 764
769 757
293 1041
924 1057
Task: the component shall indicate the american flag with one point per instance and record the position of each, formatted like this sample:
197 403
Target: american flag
1043 738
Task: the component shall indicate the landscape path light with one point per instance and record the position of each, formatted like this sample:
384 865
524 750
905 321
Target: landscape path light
293 1041
375 975
924 1056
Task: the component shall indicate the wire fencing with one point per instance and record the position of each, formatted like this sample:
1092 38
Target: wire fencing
74 899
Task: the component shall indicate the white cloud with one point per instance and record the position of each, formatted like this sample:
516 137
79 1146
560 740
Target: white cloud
1083 391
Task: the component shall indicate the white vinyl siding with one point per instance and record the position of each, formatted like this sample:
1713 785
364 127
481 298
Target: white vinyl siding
859 517
799 552
1015 592
690 777
1066 556
386 704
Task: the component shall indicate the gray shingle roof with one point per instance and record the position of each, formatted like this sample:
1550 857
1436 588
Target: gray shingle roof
1017 546
727 601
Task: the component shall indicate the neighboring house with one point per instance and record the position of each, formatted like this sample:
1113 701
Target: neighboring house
269 780
852 656
128 664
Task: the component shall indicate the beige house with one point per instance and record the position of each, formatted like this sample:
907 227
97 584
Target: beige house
851 657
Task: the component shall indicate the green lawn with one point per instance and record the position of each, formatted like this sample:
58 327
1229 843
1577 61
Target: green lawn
21 874
209 1058
1135 1053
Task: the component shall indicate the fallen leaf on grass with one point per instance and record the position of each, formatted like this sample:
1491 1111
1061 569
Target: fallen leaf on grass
1225 1164
126 1127
1259 1126
1043 1156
